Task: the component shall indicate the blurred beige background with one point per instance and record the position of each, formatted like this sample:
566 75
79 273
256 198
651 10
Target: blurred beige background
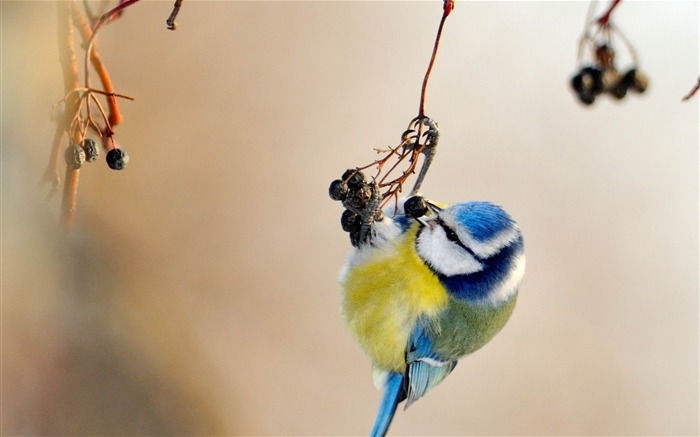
197 293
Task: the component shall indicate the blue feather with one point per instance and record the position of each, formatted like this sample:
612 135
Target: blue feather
403 222
393 394
478 285
426 368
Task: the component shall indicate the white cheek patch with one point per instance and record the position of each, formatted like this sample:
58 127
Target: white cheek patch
443 256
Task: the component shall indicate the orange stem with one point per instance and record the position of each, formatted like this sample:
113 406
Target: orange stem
52 170
70 82
70 196
66 54
83 26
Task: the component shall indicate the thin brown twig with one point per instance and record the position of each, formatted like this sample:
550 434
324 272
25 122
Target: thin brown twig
108 129
411 146
692 92
95 91
630 48
382 182
379 163
447 8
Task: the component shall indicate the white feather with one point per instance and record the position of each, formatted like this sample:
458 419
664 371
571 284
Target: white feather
442 255
379 377
433 362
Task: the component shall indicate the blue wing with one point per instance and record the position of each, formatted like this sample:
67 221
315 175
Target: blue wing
425 369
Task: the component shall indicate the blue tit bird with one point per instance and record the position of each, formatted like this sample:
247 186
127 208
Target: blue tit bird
425 291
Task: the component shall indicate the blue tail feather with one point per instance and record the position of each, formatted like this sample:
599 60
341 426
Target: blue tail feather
393 394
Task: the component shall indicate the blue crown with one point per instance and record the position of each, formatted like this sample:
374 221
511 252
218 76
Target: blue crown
484 220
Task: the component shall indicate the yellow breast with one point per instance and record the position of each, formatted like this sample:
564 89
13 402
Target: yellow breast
385 292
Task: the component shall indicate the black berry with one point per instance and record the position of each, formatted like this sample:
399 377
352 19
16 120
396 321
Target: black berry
350 221
619 90
117 159
636 80
592 80
338 190
588 83
415 207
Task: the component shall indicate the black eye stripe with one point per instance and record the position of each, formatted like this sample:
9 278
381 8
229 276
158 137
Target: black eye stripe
452 236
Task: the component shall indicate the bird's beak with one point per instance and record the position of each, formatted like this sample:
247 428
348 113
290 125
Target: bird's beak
427 223
433 207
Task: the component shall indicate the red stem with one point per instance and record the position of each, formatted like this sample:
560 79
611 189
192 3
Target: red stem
603 20
116 10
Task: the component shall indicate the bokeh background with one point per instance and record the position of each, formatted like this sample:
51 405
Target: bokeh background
197 292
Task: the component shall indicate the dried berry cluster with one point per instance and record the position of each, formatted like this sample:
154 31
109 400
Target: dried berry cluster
602 77
88 151
361 200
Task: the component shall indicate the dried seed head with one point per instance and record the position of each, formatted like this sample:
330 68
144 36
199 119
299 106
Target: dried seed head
75 156
605 55
92 152
359 199
354 178
610 79
619 90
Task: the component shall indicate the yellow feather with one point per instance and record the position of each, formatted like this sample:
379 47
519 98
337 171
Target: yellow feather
385 294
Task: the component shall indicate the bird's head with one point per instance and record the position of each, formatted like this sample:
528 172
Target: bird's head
475 248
